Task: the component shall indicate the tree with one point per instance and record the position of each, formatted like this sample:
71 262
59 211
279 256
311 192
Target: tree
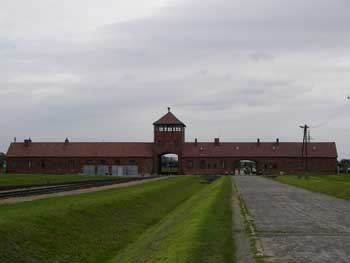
2 159
344 165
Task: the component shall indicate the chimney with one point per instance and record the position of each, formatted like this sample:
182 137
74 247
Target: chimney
277 141
195 142
217 141
66 141
258 142
27 142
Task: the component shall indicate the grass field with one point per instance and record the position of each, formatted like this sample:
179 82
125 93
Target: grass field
22 179
162 221
334 185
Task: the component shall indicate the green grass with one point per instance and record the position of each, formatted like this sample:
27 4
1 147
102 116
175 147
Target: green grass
95 227
198 231
22 179
334 185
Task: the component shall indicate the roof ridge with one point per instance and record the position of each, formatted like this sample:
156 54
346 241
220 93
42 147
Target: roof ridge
168 119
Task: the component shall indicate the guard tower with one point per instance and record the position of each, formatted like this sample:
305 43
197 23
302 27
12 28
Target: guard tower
169 136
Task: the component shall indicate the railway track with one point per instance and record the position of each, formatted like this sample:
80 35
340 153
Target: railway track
29 190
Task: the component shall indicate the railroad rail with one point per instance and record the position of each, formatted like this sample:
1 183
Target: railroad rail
28 190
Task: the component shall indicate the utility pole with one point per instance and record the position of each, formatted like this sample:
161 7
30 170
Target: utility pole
304 148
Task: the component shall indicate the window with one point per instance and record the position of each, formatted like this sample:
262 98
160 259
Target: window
190 164
209 166
117 162
43 164
29 164
89 162
223 164
234 166
14 164
215 166
202 164
132 162
103 162
71 164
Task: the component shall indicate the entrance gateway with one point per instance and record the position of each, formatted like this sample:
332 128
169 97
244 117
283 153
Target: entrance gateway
169 139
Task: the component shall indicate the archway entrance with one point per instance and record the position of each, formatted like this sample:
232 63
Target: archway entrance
246 167
168 163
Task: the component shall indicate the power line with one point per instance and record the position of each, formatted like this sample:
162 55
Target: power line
332 116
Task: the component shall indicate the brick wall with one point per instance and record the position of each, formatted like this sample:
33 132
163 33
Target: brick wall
72 165
150 166
271 165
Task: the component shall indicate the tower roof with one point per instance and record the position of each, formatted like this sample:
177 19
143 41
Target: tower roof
169 119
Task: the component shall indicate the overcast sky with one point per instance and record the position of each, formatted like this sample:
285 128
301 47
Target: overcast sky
235 69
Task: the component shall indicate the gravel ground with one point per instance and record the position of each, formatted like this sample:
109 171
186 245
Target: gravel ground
296 225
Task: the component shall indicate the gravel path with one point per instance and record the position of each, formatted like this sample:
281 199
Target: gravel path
296 225
242 243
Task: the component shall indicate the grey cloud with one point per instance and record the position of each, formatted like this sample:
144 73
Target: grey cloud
230 65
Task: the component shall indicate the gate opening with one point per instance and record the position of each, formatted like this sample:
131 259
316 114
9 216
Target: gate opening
246 167
169 163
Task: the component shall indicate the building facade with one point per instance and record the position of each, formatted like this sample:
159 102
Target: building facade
120 158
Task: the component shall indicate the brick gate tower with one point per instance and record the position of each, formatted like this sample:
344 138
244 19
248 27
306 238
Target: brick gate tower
169 137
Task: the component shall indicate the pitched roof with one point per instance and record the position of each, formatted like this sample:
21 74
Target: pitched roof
80 149
202 149
169 119
265 149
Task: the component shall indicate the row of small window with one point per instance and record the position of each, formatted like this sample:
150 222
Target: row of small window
41 164
71 164
116 162
169 129
204 165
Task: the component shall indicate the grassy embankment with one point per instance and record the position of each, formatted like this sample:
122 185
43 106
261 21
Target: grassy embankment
199 230
334 185
22 179
162 221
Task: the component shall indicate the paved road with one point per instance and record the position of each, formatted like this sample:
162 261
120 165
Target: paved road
297 225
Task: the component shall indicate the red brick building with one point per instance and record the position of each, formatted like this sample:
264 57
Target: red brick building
169 138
